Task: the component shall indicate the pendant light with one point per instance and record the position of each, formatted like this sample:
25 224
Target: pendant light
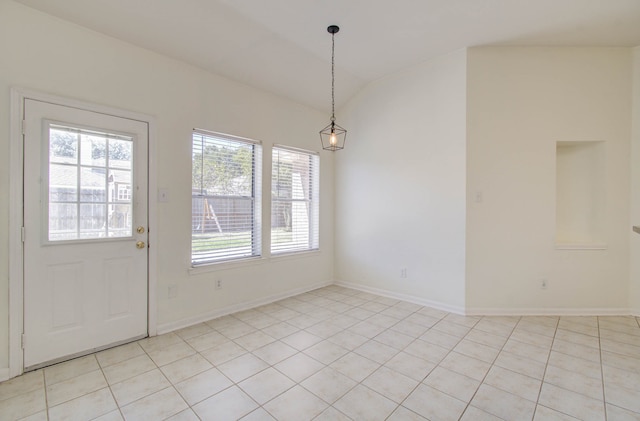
333 136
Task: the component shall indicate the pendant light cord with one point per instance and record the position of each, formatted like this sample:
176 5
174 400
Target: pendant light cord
333 78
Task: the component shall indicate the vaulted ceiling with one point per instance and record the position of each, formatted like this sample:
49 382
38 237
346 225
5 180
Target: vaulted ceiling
283 46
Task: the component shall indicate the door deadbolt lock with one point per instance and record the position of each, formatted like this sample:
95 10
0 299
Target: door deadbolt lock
140 244
140 230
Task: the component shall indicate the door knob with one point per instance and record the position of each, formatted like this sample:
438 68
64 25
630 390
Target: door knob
140 244
140 230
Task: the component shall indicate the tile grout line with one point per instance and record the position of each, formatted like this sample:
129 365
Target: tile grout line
604 394
546 365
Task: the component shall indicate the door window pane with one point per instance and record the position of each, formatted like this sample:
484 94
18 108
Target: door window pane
88 199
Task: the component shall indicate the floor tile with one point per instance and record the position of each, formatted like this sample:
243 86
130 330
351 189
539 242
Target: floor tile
159 342
348 340
509 381
230 404
571 403
326 352
362 403
478 351
222 353
203 385
235 330
274 352
253 341
355 366
298 367
520 365
427 351
28 382
413 367
525 350
118 354
301 340
331 414
207 341
474 414
280 330
69 369
468 366
574 381
171 353
86 407
157 406
403 414
376 351
395 339
622 397
503 404
75 387
23 405
433 404
296 401
452 383
194 331
328 384
180 370
128 368
184 415
139 386
547 414
579 365
242 367
266 385
620 414
391 384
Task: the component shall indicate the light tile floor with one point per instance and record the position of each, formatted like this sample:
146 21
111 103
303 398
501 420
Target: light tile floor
340 354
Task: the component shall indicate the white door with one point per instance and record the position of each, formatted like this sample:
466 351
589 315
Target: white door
85 242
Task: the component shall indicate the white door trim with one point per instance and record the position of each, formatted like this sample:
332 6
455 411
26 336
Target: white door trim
16 222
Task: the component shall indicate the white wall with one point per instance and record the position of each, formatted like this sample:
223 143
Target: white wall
43 53
634 283
521 101
400 184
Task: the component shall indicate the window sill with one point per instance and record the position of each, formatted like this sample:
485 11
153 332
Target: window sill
252 261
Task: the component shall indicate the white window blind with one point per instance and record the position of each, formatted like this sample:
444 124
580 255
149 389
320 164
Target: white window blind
226 198
295 206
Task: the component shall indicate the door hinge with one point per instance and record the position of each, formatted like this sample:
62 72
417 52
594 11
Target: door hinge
22 340
24 127
22 235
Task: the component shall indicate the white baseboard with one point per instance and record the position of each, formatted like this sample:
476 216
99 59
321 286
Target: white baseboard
553 311
179 324
403 297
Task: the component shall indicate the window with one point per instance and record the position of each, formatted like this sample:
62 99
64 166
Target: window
294 200
226 193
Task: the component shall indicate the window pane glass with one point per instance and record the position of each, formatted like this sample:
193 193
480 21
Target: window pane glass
120 153
92 184
225 198
93 150
63 146
63 221
63 183
99 203
92 221
294 201
120 220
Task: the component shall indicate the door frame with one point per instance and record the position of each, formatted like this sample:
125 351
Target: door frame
16 219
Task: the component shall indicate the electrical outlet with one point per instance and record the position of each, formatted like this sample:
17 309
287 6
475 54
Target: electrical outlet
403 273
219 284
173 291
544 283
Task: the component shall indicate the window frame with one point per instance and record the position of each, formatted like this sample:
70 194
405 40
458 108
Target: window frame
256 197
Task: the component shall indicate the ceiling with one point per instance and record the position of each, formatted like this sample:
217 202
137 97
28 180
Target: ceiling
282 46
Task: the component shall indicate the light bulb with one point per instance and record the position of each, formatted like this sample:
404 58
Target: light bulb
332 139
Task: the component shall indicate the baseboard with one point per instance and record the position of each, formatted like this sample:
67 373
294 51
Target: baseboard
179 324
557 311
403 297
4 374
